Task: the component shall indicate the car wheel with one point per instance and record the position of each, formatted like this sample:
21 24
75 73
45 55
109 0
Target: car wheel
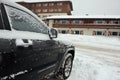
66 67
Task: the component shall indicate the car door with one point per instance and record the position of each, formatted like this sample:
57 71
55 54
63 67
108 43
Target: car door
5 44
33 48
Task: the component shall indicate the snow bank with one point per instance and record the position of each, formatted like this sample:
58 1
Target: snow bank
94 41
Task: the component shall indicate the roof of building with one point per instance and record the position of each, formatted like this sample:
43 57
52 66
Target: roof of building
86 17
42 1
31 1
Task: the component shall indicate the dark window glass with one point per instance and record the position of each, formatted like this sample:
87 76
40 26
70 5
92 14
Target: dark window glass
115 22
99 33
23 21
64 31
99 21
76 32
114 33
63 21
119 33
77 22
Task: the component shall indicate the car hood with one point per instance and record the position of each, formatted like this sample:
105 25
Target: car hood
65 42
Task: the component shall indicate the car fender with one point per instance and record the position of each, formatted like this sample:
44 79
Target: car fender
62 60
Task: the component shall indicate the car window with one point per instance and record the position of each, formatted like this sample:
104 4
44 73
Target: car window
23 21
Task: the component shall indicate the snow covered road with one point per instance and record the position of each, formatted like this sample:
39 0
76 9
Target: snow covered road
97 58
90 65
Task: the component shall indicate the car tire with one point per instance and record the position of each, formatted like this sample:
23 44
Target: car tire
66 67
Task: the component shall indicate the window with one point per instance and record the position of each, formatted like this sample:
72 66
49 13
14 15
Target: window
63 31
99 22
51 4
59 10
38 10
99 33
51 10
45 4
23 21
45 10
115 22
39 5
119 33
76 32
64 22
114 33
55 10
59 4
77 22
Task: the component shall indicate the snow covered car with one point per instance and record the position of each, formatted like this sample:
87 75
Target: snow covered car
28 50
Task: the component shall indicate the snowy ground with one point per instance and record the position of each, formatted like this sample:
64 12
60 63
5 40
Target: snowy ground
97 58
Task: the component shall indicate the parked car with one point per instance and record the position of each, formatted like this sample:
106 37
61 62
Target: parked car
28 50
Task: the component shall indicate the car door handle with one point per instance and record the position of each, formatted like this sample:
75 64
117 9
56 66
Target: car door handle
23 43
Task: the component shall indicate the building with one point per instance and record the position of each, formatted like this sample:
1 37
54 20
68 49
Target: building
57 14
45 8
86 25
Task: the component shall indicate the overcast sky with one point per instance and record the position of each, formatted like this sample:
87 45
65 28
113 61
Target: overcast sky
94 7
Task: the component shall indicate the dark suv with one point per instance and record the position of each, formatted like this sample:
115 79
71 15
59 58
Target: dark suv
28 50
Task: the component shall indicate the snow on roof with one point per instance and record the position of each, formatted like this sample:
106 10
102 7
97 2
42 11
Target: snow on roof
86 16
32 1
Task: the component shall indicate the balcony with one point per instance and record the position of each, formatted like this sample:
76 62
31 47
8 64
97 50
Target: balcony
100 26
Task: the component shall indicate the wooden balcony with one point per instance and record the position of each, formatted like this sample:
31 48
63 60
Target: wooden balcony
100 26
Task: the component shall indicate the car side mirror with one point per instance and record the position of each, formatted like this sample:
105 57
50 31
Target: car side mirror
53 33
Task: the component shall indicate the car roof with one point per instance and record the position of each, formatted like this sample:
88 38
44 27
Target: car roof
13 4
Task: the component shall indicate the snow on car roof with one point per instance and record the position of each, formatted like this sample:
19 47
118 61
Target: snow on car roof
86 16
31 1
